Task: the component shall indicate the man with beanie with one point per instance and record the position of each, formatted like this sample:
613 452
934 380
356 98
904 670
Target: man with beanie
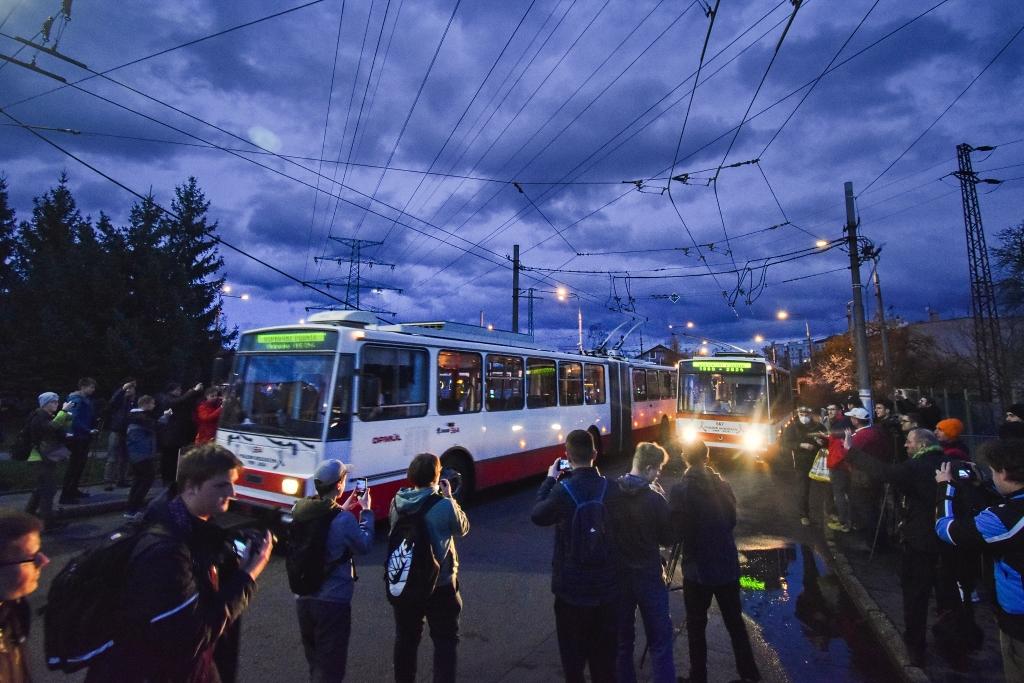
703 509
325 616
948 431
919 554
444 521
48 427
1013 428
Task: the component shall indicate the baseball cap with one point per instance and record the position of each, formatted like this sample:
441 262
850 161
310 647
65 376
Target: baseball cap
329 473
804 410
859 413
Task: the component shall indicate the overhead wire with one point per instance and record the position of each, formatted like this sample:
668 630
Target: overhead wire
948 107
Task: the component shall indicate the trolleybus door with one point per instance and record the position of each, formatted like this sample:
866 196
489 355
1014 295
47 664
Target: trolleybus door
620 395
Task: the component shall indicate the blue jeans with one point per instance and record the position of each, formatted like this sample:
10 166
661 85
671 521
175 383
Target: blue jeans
324 627
646 590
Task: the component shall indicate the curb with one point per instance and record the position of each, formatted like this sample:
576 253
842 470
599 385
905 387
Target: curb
878 622
89 509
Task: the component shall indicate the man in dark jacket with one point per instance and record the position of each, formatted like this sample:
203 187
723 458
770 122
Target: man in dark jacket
996 529
586 591
641 524
928 413
48 428
115 473
919 563
1013 427
704 513
185 588
21 562
177 428
803 437
83 429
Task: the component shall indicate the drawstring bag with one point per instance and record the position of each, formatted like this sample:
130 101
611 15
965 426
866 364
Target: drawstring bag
819 470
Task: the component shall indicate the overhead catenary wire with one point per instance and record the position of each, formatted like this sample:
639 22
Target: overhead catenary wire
948 107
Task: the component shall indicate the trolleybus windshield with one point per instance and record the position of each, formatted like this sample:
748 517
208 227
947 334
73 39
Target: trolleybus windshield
279 393
725 387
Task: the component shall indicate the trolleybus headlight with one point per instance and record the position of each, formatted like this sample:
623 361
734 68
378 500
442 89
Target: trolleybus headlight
289 486
753 439
690 434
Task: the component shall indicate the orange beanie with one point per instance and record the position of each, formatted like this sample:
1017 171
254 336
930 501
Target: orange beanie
951 427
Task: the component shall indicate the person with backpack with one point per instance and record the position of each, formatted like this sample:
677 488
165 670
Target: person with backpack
323 537
641 523
140 444
421 575
21 562
584 579
176 611
704 513
47 428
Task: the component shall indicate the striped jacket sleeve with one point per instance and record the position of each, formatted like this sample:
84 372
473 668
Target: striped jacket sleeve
985 528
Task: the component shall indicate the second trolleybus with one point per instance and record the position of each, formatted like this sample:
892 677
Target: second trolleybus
491 404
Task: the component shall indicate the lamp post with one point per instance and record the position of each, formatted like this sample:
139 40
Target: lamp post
563 294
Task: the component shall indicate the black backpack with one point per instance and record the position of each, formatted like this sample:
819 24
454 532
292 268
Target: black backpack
589 534
411 567
307 553
78 626
22 446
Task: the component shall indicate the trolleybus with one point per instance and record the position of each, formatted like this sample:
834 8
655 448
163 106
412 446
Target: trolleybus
734 402
491 404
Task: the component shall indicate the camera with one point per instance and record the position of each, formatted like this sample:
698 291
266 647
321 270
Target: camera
248 538
563 465
453 478
964 473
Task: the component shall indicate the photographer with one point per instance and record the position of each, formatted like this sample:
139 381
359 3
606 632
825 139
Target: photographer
919 552
208 415
804 437
997 529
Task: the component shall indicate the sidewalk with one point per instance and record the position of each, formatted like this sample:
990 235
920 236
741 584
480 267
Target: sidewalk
99 501
874 586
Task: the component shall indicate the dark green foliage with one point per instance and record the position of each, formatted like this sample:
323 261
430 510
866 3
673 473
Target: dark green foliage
1009 258
82 298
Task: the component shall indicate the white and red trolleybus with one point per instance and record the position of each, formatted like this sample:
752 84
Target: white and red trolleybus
493 406
735 402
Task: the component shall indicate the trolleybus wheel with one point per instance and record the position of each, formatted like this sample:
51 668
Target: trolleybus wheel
458 468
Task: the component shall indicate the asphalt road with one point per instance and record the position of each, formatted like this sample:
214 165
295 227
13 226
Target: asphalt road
799 625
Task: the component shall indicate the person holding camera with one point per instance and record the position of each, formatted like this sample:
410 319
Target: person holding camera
804 437
996 529
919 551
328 534
444 521
185 587
208 415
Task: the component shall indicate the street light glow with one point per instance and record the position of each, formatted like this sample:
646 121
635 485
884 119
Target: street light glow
562 293
821 244
782 315
245 297
226 288
758 338
690 325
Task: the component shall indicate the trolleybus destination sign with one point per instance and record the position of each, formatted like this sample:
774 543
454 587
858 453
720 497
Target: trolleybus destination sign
299 340
722 365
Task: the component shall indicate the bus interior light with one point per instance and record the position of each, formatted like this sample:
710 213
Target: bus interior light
290 486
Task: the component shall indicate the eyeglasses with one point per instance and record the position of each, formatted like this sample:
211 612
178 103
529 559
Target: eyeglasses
39 559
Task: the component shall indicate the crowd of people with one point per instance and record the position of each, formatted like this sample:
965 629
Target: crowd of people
908 480
146 435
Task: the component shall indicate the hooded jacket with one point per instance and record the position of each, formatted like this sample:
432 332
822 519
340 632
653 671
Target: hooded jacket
180 428
955 449
181 602
46 431
915 479
345 538
140 435
83 414
445 522
207 415
641 524
796 432
581 586
704 512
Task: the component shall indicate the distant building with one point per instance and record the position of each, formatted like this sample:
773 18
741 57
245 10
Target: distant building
662 355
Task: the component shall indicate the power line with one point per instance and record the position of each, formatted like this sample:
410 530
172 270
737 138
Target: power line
948 107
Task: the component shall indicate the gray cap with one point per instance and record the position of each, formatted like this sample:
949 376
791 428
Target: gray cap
329 473
48 397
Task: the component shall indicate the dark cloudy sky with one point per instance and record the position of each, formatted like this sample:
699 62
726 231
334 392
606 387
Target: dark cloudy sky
567 97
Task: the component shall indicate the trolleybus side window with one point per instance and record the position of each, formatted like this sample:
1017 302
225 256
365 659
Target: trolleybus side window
393 382
570 383
653 386
459 382
541 387
593 384
340 426
639 385
667 383
504 382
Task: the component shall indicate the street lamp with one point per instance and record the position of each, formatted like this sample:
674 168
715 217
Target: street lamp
563 294
226 291
758 338
821 244
782 315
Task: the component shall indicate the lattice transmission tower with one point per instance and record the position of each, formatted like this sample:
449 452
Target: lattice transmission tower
987 338
355 282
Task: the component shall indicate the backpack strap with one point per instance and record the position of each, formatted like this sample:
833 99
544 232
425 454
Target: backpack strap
599 498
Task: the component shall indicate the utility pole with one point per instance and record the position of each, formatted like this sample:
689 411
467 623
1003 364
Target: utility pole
810 347
355 282
987 338
515 288
883 330
860 337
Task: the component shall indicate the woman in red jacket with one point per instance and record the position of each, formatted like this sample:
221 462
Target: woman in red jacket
207 415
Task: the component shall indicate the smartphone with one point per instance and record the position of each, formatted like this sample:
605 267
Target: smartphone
563 465
360 486
240 546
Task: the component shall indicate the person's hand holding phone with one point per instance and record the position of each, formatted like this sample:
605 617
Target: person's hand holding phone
445 487
351 502
944 475
364 500
257 555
